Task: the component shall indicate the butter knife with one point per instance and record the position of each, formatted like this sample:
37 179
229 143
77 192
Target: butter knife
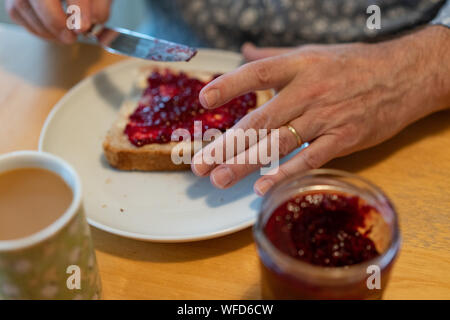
134 44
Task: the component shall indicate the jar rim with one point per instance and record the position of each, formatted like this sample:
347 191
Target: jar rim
321 273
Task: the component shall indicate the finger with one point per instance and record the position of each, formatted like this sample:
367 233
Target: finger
267 116
263 74
100 11
265 151
252 53
308 127
86 13
236 170
24 15
322 150
52 16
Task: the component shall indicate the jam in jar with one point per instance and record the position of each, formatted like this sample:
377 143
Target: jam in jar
325 235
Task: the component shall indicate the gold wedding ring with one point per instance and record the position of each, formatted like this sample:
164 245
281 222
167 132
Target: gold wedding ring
295 133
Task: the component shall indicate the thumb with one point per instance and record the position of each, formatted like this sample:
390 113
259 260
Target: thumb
251 52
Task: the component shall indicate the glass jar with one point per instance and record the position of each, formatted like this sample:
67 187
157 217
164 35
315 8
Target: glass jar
285 277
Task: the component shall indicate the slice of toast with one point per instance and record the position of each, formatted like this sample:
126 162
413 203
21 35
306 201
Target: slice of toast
123 155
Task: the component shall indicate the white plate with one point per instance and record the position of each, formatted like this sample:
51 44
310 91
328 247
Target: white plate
153 206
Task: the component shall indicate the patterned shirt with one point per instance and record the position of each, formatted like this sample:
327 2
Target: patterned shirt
228 24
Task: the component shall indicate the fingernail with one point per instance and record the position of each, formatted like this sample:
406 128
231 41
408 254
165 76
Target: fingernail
263 186
199 170
210 98
222 177
67 36
198 166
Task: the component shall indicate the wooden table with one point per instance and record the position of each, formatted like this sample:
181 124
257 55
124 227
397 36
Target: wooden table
413 168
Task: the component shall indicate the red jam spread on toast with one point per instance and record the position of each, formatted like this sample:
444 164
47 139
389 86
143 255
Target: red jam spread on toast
323 229
171 101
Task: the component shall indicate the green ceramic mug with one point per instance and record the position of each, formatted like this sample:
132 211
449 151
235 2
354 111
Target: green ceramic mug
57 262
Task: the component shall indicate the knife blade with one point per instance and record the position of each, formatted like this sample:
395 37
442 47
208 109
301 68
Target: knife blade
134 44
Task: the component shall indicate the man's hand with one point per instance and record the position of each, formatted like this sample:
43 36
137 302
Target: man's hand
339 98
47 19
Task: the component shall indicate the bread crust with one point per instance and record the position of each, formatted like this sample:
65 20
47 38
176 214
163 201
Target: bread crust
123 155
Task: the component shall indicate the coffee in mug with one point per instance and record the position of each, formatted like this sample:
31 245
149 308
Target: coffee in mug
30 200
46 249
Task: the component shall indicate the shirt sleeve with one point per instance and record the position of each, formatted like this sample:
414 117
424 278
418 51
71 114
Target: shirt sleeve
443 17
